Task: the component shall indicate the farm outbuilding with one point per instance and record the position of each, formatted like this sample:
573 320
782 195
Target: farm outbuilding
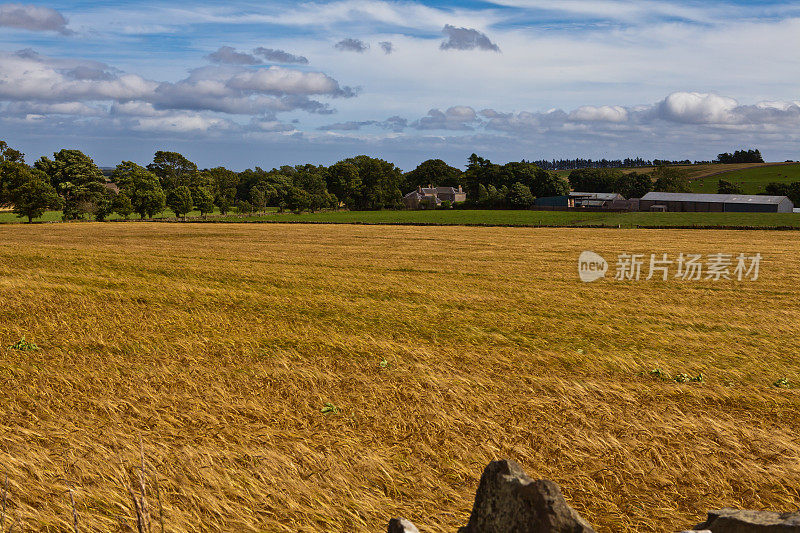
594 199
730 203
580 199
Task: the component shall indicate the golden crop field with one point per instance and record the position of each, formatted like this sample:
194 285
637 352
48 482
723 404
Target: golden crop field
208 353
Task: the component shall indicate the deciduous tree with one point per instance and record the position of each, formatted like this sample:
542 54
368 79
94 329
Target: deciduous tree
35 196
671 179
726 187
142 187
180 200
174 170
203 200
519 196
70 166
435 172
122 205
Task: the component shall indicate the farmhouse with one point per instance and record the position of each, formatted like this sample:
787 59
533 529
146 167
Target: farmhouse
430 197
733 203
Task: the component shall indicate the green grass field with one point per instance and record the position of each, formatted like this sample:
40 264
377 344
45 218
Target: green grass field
471 217
703 170
531 218
8 217
751 180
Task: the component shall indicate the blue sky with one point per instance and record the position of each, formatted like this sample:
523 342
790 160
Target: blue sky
273 82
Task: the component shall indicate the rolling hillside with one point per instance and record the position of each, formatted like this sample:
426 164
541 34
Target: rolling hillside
752 180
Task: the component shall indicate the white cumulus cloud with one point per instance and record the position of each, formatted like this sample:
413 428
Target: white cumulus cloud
604 113
698 108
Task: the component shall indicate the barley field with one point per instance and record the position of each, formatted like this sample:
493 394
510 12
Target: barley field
284 378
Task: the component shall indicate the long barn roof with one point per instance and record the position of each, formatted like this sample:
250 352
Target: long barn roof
596 195
713 198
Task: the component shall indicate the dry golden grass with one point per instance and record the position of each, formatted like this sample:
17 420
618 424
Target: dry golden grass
213 349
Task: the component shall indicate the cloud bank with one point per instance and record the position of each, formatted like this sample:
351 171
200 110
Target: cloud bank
36 85
569 79
33 18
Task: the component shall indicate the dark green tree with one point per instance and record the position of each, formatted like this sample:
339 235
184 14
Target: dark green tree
274 185
122 205
670 179
204 200
76 177
544 183
88 199
13 171
792 190
12 175
726 187
311 179
35 196
479 172
634 185
244 207
434 172
223 184
483 195
629 185
174 170
70 166
519 196
344 182
142 187
180 200
775 188
10 155
380 183
298 199
224 203
259 197
741 156
596 180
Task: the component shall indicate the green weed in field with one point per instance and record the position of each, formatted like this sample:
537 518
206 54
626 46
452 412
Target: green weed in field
782 383
24 346
329 409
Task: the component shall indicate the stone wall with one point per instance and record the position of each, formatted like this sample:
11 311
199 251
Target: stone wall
508 501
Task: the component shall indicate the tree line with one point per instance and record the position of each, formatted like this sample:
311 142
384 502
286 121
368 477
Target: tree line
628 162
73 183
70 181
740 156
630 184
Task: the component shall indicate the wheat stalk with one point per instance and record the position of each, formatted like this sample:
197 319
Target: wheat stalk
74 510
3 516
142 489
160 506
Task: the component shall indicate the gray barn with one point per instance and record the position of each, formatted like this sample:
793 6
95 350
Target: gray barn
731 203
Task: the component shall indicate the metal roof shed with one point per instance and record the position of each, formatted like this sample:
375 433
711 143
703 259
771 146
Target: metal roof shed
736 203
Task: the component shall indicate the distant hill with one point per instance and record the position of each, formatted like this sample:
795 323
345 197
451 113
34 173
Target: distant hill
751 178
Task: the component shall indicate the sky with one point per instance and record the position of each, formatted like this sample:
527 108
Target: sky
267 83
